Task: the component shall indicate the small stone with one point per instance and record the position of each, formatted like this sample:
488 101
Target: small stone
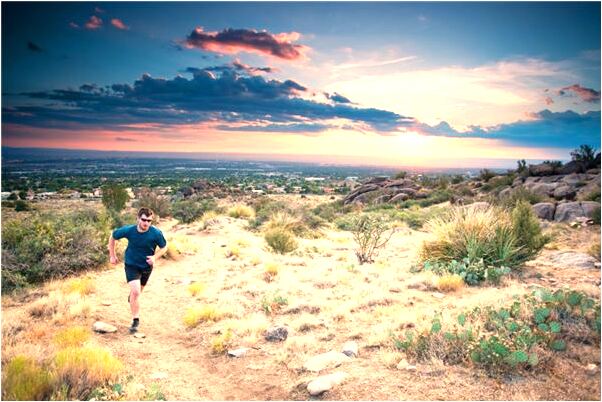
158 375
103 328
325 383
325 360
404 365
238 352
276 334
350 349
438 295
591 369
139 335
106 303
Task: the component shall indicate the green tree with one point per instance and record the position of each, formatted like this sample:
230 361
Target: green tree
114 196
522 166
585 155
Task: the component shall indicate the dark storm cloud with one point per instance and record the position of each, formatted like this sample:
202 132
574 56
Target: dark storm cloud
212 94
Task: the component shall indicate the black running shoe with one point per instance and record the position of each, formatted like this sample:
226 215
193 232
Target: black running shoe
134 327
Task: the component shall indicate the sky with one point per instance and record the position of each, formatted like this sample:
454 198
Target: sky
445 84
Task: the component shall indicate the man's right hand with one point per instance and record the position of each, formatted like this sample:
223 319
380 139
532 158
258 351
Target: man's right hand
114 260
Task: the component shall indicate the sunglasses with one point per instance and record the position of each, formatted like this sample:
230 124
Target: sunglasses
146 220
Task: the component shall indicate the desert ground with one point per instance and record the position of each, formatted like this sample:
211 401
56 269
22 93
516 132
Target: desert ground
324 298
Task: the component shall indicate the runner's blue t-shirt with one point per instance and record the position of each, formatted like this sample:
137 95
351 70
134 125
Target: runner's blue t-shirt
140 244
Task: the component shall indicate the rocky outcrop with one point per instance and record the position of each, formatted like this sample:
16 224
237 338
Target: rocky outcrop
545 210
569 211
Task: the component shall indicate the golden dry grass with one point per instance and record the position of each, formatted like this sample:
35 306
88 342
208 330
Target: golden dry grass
71 337
195 315
449 283
196 288
24 380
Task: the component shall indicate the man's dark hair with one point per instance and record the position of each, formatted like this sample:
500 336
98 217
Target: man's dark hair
145 211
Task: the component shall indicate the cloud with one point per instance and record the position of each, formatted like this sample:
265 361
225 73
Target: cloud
99 10
73 25
94 22
549 101
117 23
125 139
221 96
545 128
586 94
233 41
34 48
337 98
236 65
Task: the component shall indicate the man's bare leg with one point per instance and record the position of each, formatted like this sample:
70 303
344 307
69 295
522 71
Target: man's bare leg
135 290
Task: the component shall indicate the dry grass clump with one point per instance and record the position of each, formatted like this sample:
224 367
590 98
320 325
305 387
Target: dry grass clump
195 288
60 307
178 245
280 240
284 221
82 369
449 283
240 211
71 337
209 218
233 252
195 315
222 342
594 249
24 380
270 272
83 286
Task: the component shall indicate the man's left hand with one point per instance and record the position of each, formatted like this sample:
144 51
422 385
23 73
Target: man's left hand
150 260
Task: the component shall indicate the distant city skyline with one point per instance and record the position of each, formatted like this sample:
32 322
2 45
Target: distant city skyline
387 84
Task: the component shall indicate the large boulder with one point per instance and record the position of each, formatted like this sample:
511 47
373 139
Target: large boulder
401 183
382 199
543 189
565 192
575 178
360 190
550 179
572 210
543 169
545 210
399 197
377 180
589 208
571 167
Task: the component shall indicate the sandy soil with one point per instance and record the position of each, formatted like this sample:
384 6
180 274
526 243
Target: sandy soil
330 300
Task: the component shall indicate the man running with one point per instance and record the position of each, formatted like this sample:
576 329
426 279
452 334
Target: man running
140 257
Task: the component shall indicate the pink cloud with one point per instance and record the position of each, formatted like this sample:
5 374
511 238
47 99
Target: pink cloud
94 22
586 94
233 41
117 23
549 100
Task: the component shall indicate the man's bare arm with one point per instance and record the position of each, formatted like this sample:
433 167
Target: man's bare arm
112 256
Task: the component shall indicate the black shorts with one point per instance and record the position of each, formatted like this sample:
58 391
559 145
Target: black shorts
133 273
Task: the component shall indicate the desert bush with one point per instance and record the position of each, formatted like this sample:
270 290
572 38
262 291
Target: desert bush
470 271
195 315
71 337
123 218
594 249
271 270
486 175
496 183
209 219
241 211
332 210
222 342
114 196
280 241
187 211
24 380
498 238
159 204
154 393
81 369
525 226
585 155
21 205
52 245
592 196
370 232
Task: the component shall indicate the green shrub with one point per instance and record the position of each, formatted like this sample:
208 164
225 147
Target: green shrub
114 196
159 204
525 226
280 240
52 245
24 380
187 211
472 272
21 205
